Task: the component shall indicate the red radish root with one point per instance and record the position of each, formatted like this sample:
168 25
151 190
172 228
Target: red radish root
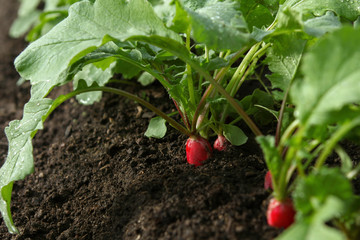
280 214
220 143
198 150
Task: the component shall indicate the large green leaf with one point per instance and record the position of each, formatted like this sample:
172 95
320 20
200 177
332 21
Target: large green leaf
284 58
87 28
19 161
331 79
218 24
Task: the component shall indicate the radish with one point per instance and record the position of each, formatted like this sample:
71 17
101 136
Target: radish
220 143
280 214
198 149
268 181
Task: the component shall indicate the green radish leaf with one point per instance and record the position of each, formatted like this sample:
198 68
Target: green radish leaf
181 21
146 79
92 74
296 231
346 161
318 26
179 92
23 23
47 21
128 69
321 197
251 102
218 24
27 17
357 22
272 5
285 53
331 79
259 34
288 22
274 113
292 21
19 161
257 14
354 173
284 58
129 62
87 27
234 135
157 128
317 228
28 6
344 8
313 191
165 9
214 63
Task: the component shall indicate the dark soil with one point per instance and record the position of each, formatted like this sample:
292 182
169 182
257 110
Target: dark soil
97 177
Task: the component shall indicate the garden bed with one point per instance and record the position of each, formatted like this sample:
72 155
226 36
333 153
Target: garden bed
286 72
98 177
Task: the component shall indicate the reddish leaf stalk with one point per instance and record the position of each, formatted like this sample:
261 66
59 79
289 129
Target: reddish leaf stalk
183 117
220 75
231 100
268 181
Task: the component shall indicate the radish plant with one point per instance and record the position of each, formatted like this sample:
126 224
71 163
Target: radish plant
137 40
325 96
202 52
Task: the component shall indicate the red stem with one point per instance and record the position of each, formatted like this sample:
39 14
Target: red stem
207 92
184 118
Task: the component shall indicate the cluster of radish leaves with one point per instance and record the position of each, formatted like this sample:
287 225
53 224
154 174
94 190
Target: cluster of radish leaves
192 48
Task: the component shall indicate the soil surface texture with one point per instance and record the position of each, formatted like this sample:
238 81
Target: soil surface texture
98 177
